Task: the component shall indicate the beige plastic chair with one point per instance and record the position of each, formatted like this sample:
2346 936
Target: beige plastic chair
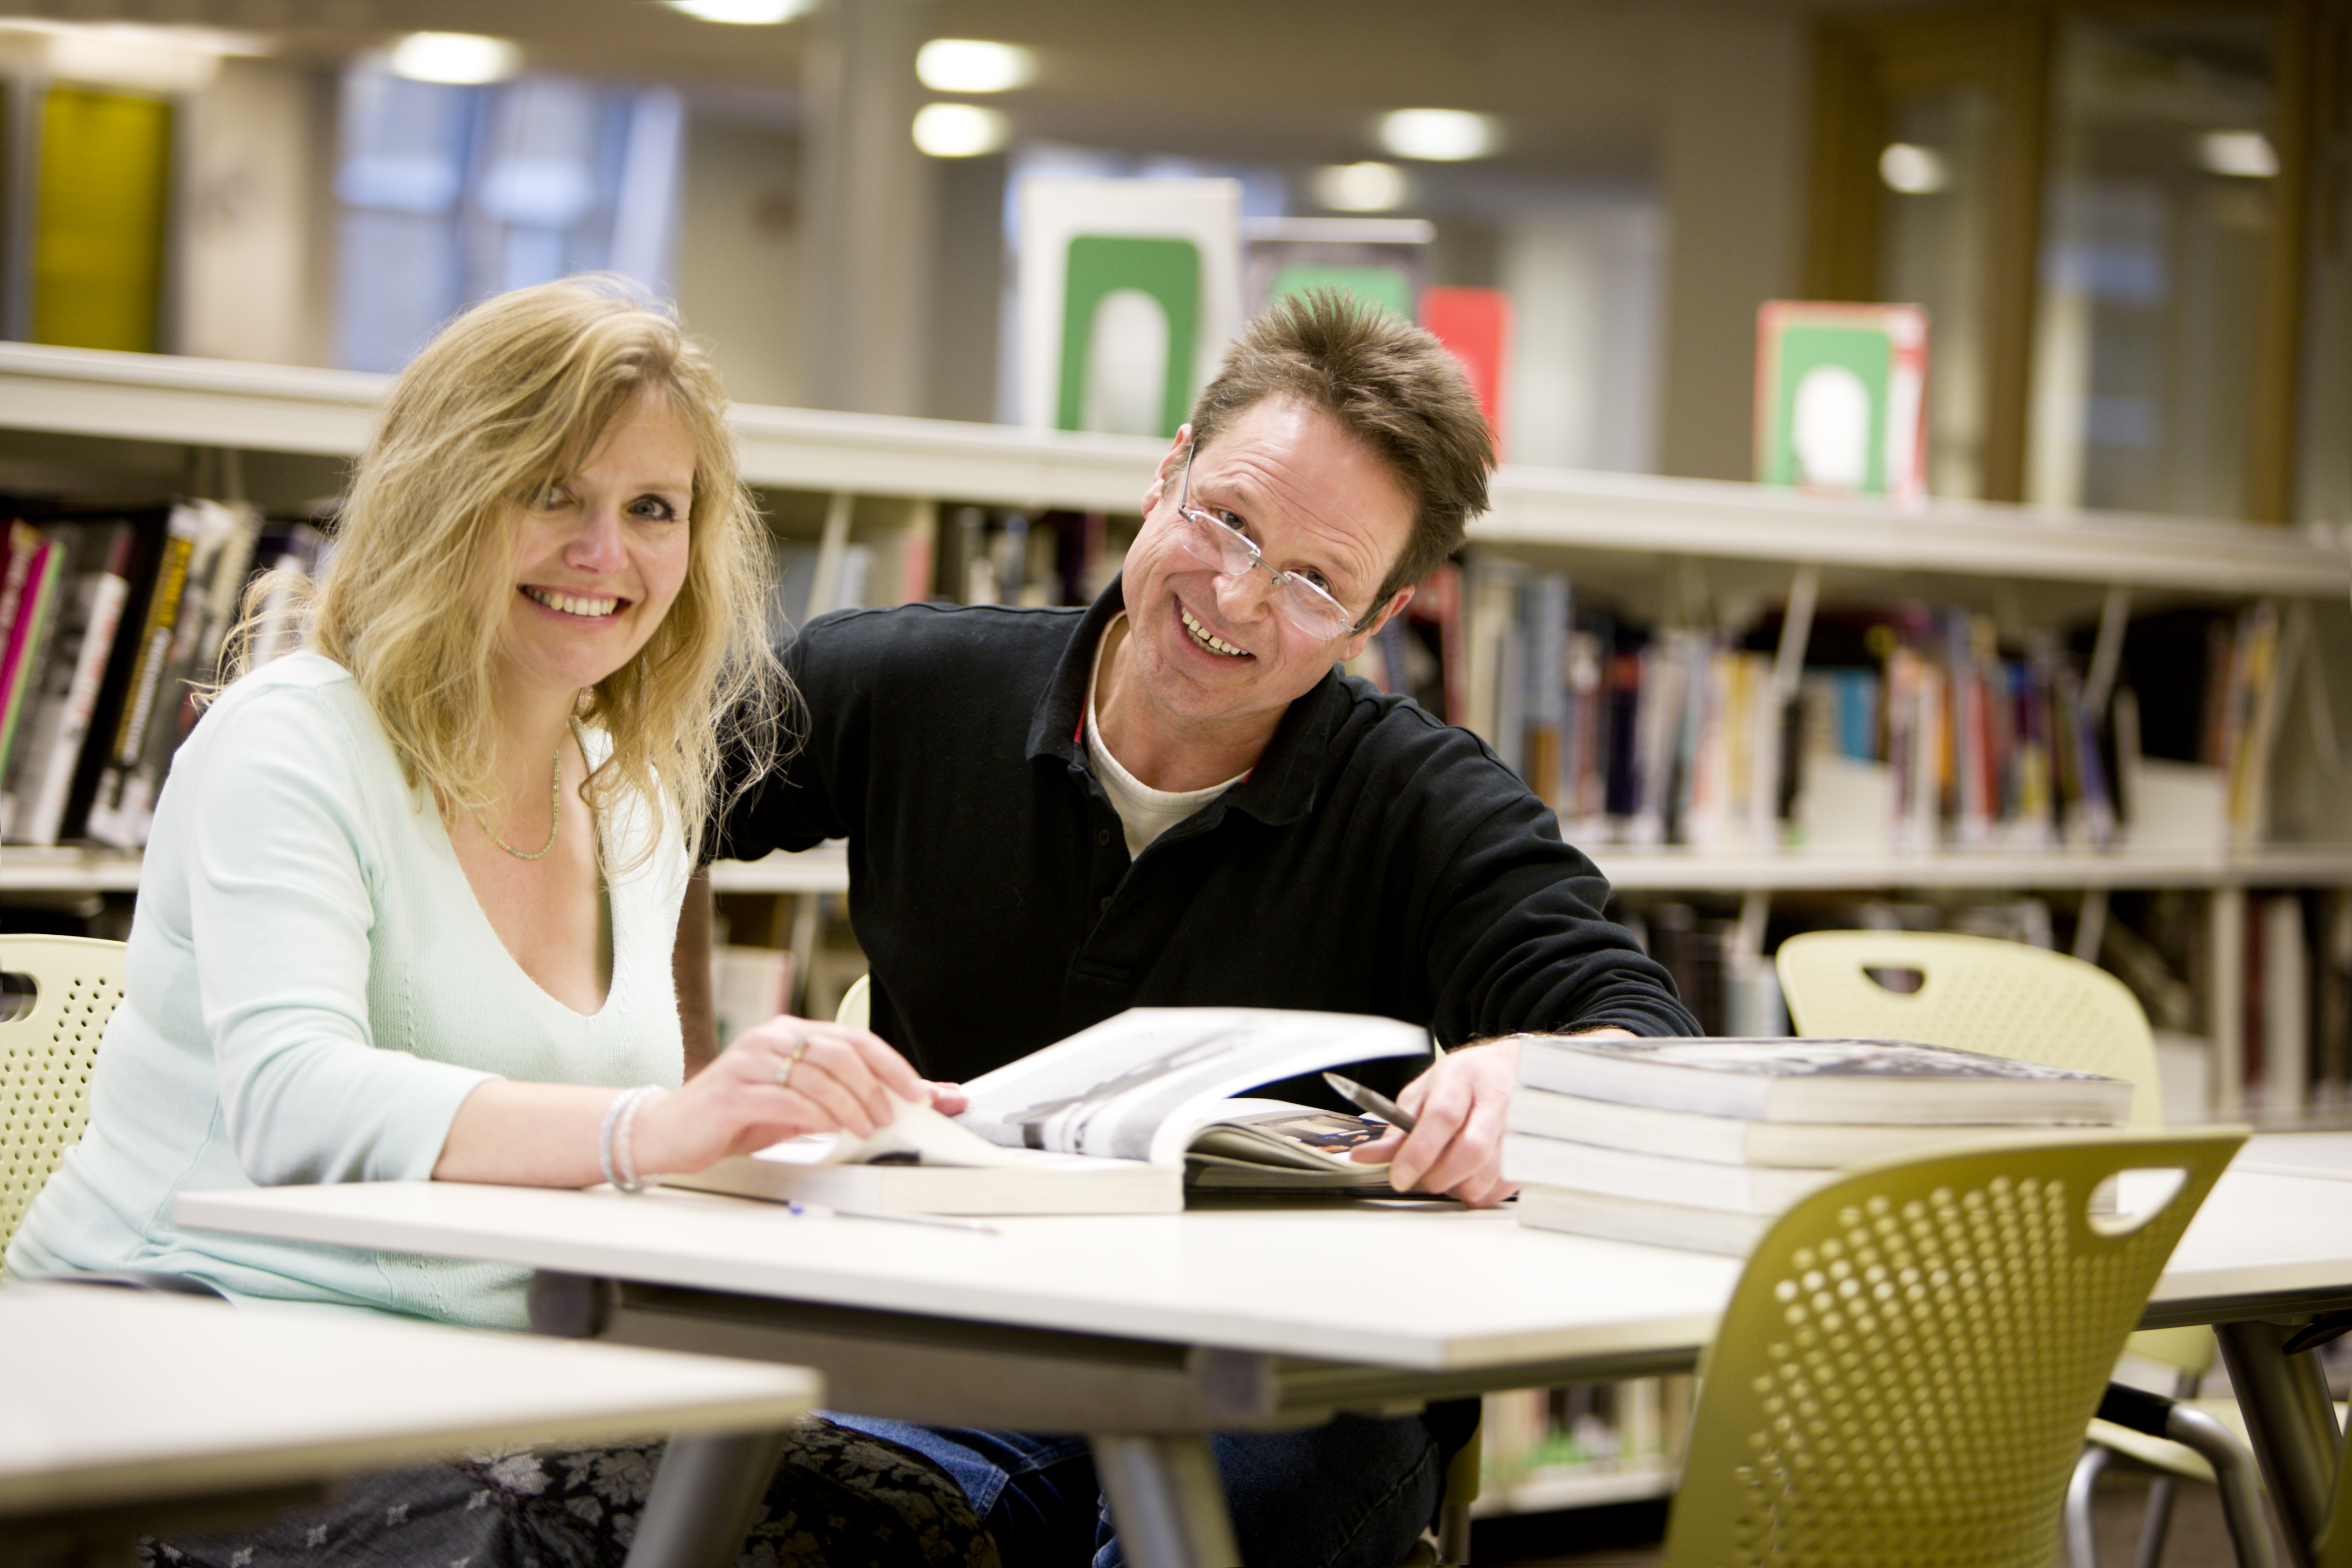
45 1058
1908 1362
2006 999
2003 998
856 1007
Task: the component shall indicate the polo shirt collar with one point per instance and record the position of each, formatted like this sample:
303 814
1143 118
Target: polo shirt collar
1280 789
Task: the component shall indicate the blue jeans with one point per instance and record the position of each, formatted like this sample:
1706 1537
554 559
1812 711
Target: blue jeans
1352 1493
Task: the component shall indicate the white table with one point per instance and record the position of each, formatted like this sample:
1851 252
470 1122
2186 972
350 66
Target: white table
2297 1155
122 1410
1149 1333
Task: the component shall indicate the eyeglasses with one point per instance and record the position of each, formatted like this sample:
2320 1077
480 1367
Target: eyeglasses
1215 543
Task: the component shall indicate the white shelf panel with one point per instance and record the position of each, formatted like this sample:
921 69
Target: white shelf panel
1584 1487
826 870
1710 518
23 870
278 409
1698 870
204 403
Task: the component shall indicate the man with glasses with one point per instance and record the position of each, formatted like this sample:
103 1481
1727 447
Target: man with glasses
1174 798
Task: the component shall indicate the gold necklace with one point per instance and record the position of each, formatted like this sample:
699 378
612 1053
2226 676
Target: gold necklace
554 816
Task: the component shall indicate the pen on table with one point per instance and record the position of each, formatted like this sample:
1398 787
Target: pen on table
1364 1099
938 1222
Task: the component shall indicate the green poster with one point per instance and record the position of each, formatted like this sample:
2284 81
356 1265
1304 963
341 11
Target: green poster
1830 409
1169 272
1390 288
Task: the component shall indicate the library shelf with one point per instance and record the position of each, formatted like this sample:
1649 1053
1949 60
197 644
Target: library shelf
1578 1486
204 403
1687 869
881 483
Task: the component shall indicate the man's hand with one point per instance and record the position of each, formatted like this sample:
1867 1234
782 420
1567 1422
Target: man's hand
1458 1105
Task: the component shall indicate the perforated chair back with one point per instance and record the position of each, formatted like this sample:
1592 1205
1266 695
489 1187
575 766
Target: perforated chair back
2003 998
1907 1364
45 1058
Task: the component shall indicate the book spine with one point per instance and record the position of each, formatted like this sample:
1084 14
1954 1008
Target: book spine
87 629
28 647
104 818
18 593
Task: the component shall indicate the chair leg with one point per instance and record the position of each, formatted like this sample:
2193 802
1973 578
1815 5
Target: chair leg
2156 1523
2240 1482
2082 1540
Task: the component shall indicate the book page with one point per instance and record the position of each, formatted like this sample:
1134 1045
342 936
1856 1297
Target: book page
917 1135
1136 1087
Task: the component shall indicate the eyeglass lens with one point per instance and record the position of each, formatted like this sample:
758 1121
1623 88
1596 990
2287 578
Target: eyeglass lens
1213 544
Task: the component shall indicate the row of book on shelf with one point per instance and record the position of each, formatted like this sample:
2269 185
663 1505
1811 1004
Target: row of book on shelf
1867 726
1880 726
114 622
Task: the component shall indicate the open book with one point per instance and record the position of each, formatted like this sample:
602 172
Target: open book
1116 1119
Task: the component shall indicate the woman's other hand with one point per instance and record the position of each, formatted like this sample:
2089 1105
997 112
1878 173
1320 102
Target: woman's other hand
785 1078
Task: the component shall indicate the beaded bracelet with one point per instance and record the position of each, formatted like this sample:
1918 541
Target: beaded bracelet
613 1151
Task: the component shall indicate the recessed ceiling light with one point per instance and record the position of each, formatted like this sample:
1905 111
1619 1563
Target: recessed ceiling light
743 12
1362 187
1913 169
465 59
974 65
2248 155
1441 135
961 130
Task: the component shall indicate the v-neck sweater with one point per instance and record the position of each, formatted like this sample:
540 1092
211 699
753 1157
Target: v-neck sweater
311 989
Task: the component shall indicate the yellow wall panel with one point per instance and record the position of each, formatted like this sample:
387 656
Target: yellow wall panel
98 248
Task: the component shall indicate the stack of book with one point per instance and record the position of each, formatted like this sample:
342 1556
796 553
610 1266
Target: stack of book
1699 1144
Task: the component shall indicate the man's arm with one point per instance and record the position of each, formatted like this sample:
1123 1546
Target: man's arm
1458 1107
698 1019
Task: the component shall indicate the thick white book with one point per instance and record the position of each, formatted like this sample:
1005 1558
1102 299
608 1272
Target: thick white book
1645 1220
922 1162
1665 1178
1821 1080
1730 1140
1120 1117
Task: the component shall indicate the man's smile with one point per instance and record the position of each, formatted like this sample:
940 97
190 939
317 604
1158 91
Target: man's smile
1208 639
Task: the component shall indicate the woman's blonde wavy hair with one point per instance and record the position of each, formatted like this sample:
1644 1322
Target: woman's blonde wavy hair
512 396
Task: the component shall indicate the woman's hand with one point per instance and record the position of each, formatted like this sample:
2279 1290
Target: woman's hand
787 1077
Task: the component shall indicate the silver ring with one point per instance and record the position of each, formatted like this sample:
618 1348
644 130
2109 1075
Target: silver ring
800 1049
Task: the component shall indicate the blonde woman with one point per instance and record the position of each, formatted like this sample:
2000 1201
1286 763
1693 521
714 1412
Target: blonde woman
409 905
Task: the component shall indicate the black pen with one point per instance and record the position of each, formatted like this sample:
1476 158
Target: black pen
1370 1099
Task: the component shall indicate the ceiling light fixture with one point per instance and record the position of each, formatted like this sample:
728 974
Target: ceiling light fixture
461 59
743 12
2246 155
961 130
974 65
1913 169
1362 187
1439 135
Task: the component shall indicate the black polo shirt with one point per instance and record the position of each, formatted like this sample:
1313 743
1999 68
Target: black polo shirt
1375 861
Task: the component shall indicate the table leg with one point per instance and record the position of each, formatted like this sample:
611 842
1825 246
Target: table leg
2291 1423
1165 1500
703 1499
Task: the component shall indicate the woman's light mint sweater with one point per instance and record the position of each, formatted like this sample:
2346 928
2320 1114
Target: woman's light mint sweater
311 989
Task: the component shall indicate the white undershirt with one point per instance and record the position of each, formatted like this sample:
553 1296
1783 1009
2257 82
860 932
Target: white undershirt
1144 813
